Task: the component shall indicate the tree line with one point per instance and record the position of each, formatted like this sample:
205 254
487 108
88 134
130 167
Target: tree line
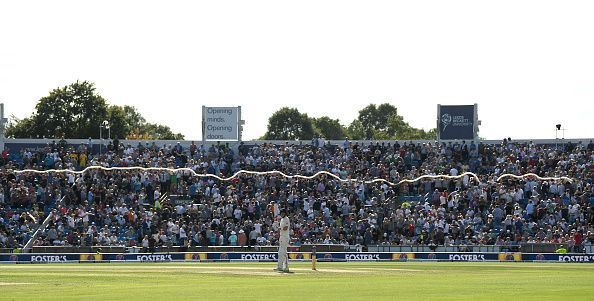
381 122
78 111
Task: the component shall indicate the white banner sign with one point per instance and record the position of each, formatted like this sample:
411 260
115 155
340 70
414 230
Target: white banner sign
220 123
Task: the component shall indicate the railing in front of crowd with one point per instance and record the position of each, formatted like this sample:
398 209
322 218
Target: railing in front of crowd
436 248
550 248
524 248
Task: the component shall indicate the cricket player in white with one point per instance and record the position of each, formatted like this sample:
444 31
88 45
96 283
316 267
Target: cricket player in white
283 241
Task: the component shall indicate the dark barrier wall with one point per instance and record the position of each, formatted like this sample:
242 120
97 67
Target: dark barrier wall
456 122
272 256
559 257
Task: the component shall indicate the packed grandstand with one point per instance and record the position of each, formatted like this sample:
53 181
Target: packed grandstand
154 209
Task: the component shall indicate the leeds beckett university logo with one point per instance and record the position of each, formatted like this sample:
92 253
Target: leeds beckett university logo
446 119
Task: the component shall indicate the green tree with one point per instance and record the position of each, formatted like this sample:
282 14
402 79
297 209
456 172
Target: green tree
289 124
117 122
356 130
403 131
383 123
328 128
375 118
368 121
138 128
73 111
384 112
133 117
161 132
373 123
77 111
22 128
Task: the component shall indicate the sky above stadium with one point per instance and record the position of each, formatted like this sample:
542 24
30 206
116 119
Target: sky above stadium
528 64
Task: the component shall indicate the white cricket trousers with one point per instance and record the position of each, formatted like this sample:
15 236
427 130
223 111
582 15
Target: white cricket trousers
283 256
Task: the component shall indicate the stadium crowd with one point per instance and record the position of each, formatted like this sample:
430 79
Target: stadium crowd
150 209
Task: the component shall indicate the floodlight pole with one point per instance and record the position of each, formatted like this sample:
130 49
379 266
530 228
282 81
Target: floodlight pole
100 139
104 124
3 122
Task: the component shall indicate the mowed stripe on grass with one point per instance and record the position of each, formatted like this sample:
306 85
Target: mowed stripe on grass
332 281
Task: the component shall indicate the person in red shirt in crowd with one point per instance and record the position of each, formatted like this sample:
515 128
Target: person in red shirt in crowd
5 154
578 237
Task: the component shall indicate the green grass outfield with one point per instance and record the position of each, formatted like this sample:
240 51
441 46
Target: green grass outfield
332 281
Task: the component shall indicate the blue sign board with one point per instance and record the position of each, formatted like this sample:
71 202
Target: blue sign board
456 122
